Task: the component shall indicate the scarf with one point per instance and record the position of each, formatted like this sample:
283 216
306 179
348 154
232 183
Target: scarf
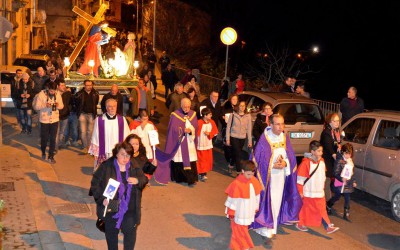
122 196
336 138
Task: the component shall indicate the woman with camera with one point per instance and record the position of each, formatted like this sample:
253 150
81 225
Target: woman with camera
48 103
126 205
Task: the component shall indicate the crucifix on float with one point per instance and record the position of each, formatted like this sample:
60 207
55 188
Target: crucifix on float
99 16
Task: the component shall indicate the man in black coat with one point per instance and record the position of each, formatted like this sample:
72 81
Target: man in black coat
214 105
116 95
169 79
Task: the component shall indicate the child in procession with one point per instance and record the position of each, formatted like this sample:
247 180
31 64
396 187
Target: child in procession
242 204
206 132
310 184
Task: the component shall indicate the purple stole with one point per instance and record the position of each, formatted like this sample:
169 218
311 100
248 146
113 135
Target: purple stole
102 137
291 200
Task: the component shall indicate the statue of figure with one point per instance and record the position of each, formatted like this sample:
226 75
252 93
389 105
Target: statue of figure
93 51
129 50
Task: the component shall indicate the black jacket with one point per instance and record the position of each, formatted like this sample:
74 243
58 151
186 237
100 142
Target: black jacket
337 171
120 102
259 126
80 101
99 182
29 90
66 98
330 145
216 111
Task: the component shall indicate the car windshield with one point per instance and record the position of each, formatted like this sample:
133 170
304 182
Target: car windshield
300 112
32 64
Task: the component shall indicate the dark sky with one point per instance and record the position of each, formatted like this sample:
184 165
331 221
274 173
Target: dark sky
359 40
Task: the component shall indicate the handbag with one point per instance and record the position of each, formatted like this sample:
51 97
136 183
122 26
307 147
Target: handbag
149 168
101 225
113 206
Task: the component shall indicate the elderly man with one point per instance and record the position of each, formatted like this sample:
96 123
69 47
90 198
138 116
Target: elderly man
173 101
116 95
109 129
178 163
214 105
276 171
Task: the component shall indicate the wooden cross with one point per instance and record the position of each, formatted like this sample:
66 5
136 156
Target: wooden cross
92 21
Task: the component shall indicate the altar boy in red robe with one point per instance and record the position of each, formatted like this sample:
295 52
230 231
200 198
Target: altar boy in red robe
242 204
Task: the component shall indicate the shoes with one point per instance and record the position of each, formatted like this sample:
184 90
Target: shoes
268 241
202 178
301 228
331 229
346 214
288 223
75 144
29 132
43 156
51 160
205 177
68 143
230 168
55 152
23 131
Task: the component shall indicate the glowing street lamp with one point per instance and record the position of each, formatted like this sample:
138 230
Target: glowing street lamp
135 65
67 63
228 37
91 65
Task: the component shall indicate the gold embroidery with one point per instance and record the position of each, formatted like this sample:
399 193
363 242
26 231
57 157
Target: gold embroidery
185 117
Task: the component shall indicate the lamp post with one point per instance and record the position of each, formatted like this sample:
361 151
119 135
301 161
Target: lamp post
228 37
67 63
91 65
135 65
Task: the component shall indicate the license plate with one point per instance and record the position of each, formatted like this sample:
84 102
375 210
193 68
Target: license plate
300 135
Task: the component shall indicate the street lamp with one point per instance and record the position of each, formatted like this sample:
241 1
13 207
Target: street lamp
228 37
91 65
135 65
67 63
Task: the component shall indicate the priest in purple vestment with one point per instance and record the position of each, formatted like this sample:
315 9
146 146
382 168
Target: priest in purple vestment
178 162
275 159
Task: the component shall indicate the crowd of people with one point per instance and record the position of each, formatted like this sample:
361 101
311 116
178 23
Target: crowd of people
270 189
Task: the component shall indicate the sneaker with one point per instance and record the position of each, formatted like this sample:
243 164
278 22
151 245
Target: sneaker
205 177
51 160
75 144
288 223
43 156
301 228
331 229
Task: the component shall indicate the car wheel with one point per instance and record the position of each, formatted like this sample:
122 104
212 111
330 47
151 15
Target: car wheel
396 205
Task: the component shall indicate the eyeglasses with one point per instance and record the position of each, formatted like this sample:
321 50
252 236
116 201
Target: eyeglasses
126 156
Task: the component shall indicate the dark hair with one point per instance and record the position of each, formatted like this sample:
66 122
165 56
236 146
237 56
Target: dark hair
271 118
248 165
53 85
231 96
205 111
142 149
143 113
314 145
347 148
191 89
236 108
123 145
265 104
18 70
87 80
195 79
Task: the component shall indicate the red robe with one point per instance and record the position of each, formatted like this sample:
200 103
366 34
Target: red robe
91 53
205 157
242 208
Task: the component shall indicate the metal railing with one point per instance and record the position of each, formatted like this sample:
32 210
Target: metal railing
208 83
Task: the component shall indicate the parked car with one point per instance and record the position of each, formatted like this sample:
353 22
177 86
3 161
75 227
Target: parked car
303 117
7 73
375 138
31 61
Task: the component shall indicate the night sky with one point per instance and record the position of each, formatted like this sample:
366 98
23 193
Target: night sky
359 41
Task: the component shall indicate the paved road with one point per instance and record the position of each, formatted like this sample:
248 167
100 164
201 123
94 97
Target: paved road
50 209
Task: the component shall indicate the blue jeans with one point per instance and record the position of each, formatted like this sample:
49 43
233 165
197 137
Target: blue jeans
337 196
26 119
62 125
86 122
72 127
18 114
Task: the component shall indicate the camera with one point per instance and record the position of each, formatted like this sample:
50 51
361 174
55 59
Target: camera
53 107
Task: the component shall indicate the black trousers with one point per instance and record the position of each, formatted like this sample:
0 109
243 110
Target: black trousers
237 147
48 132
128 228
